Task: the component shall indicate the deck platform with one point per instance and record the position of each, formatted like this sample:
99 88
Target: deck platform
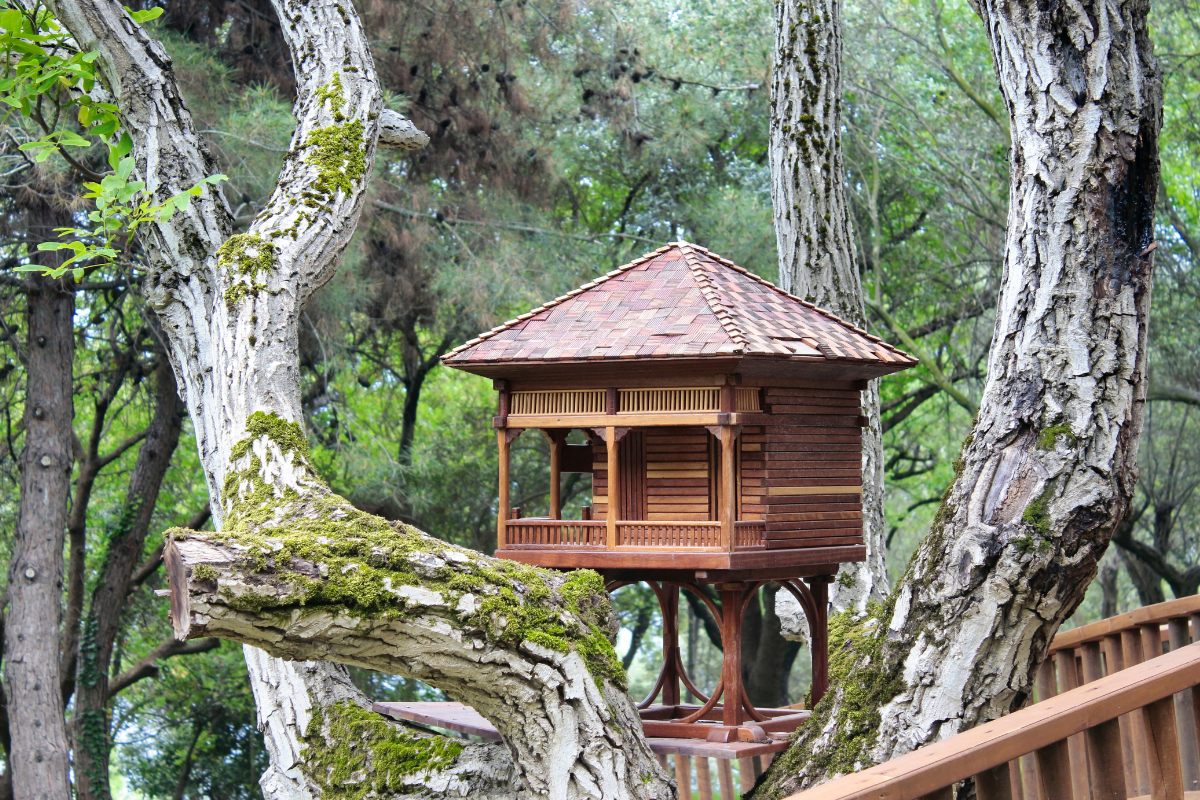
461 718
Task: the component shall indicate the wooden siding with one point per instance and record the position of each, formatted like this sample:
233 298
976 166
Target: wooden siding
677 475
800 462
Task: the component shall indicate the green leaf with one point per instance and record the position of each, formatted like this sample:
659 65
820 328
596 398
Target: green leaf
145 16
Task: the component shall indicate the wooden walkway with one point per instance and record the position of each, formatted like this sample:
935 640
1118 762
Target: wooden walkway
1116 718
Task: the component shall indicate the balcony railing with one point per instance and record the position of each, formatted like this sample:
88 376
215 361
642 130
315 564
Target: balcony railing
638 533
669 534
750 533
555 533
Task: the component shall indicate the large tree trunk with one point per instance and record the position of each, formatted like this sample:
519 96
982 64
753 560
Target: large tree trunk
1050 467
91 720
817 259
39 756
307 574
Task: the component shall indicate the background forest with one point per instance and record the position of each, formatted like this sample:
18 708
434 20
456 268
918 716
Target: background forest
567 139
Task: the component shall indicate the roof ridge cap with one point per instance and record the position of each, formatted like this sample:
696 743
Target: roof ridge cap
800 300
559 300
709 292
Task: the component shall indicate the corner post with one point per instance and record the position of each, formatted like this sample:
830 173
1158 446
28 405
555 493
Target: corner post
557 439
614 483
502 510
728 489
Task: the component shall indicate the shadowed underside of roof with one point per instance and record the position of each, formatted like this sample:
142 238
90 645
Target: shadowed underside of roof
679 302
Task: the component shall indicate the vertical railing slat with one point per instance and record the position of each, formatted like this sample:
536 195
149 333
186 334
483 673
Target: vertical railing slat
994 784
703 779
1068 679
683 775
1185 713
1054 772
1162 745
1114 661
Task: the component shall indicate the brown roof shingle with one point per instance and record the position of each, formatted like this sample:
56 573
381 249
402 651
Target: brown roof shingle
679 301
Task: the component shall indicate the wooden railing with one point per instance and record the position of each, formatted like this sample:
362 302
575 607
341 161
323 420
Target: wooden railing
669 534
750 533
553 532
1124 725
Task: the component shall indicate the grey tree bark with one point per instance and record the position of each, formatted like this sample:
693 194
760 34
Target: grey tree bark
38 754
230 306
1049 470
817 259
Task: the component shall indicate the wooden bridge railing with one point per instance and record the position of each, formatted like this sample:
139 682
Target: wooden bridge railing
1116 718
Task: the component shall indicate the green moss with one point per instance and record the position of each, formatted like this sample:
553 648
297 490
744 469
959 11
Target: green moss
862 681
1036 514
1049 436
245 256
339 154
288 435
332 92
845 579
352 753
204 572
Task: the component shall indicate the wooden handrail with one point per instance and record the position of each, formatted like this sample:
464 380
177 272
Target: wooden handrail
1159 613
1131 730
994 744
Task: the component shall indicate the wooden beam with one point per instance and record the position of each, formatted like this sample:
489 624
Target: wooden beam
728 504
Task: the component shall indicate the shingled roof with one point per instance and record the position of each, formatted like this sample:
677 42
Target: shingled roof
681 301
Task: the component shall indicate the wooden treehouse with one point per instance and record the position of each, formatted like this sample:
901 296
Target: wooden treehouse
724 443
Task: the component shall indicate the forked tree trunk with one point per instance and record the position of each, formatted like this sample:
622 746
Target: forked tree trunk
1050 467
296 570
817 259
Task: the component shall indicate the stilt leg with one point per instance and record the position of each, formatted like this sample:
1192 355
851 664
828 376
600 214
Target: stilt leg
819 629
732 595
670 612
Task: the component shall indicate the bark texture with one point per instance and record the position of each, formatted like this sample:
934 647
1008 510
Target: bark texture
1049 469
286 713
817 259
126 543
230 307
38 753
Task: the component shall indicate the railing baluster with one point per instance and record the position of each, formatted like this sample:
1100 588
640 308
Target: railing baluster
1185 717
1016 787
725 776
1131 652
1054 772
1029 780
683 775
1162 743
995 784
1114 661
1068 679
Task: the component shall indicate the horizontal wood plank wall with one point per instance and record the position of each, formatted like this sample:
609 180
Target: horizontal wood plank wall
677 474
813 475
753 473
676 478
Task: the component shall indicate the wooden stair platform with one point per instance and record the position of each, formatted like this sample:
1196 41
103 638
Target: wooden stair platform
461 718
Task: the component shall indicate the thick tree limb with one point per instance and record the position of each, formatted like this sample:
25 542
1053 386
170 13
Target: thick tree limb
573 733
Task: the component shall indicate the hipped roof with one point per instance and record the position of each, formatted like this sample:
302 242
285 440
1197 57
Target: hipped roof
678 302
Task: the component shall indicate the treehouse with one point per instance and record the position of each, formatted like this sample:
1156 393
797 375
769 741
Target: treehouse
723 428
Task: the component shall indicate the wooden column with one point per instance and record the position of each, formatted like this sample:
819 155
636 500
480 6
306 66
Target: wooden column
614 498
557 439
731 652
502 510
728 503
819 629
671 656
